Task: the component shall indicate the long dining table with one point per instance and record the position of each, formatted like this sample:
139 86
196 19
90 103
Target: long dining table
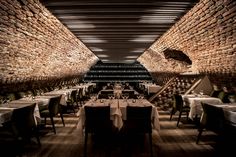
118 111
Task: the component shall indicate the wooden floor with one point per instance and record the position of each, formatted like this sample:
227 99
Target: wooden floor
169 142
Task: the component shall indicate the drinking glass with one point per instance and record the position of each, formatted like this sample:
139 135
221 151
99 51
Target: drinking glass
93 97
126 96
201 92
122 96
140 96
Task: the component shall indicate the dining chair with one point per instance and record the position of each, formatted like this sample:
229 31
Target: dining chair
213 120
52 110
23 123
215 93
20 129
178 105
130 93
107 92
20 94
98 123
80 97
139 122
230 126
11 96
72 101
103 96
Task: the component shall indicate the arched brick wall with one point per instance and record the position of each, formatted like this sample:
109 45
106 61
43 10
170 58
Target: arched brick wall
206 34
36 45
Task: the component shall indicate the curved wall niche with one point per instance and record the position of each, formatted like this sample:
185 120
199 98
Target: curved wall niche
177 55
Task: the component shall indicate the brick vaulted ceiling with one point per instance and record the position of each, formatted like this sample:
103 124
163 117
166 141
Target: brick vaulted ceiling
118 31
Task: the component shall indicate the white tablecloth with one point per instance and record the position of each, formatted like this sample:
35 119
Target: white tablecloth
118 111
65 94
195 103
7 109
84 87
229 110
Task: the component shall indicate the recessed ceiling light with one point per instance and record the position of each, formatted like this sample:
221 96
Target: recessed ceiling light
156 21
96 49
102 55
140 40
131 57
138 50
105 60
144 38
161 10
93 40
129 61
75 26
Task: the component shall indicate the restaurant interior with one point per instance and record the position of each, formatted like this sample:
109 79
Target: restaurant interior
117 78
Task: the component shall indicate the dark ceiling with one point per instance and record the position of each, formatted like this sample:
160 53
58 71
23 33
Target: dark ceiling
118 31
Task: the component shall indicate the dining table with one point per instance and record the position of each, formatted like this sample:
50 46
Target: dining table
6 109
229 110
65 94
150 87
194 101
118 110
85 87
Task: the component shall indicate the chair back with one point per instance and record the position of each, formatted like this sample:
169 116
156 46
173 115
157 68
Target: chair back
109 87
107 92
11 96
73 96
139 119
221 95
215 93
97 119
178 102
214 117
80 93
53 105
20 95
126 87
23 121
129 92
103 96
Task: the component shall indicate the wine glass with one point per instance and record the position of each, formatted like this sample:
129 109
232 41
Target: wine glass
110 96
133 100
201 92
113 96
7 100
140 96
126 96
123 96
33 97
93 97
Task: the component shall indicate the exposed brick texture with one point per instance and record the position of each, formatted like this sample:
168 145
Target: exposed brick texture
34 45
207 34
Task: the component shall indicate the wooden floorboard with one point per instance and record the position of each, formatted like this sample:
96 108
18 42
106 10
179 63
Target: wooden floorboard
169 142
